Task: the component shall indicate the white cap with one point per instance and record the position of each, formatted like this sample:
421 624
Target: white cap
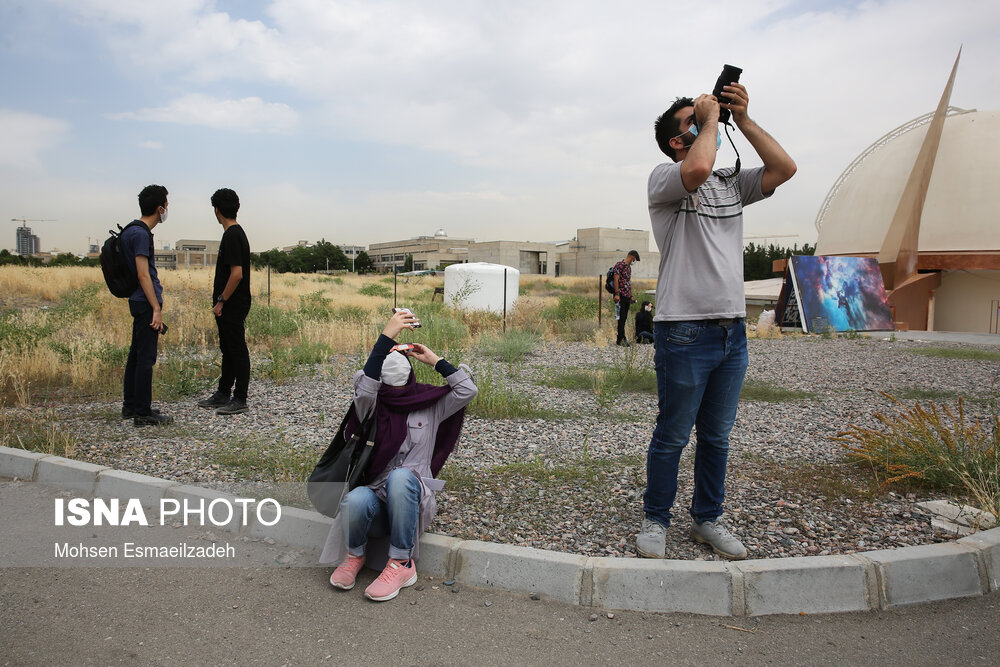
395 369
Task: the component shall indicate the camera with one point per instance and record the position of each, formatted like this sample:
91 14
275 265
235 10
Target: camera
730 74
415 325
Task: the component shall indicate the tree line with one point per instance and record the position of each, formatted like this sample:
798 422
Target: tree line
757 259
62 259
321 256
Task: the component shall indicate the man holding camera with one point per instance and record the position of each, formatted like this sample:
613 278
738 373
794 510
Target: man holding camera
699 330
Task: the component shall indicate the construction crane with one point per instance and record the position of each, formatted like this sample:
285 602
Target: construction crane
24 221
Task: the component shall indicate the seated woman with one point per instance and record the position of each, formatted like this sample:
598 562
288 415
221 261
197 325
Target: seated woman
644 323
418 426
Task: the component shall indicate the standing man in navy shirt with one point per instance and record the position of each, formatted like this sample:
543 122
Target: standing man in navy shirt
231 294
145 304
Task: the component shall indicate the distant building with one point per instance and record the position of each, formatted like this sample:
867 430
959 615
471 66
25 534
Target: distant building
429 252
27 243
351 251
591 253
188 253
597 249
526 257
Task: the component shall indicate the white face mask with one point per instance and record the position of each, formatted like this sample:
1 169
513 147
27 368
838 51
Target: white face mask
395 370
163 215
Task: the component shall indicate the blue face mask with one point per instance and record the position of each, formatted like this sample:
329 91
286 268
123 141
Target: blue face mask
694 133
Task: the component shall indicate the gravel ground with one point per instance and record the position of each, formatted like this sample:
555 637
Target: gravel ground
576 485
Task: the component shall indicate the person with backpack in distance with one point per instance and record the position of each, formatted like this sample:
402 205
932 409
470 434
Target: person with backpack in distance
230 305
417 427
622 278
145 304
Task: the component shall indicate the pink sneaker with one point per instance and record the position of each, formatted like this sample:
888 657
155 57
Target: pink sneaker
345 574
395 576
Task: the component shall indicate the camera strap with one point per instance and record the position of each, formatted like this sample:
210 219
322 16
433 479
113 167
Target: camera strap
731 143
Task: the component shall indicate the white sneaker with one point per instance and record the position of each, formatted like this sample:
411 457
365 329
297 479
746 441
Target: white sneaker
719 538
651 542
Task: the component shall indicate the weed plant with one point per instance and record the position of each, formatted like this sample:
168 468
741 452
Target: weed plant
36 434
933 447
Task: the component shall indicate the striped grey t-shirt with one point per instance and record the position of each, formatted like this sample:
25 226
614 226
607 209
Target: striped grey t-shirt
700 238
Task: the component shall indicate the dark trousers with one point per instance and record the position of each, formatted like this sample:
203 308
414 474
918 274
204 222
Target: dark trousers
137 385
624 302
235 355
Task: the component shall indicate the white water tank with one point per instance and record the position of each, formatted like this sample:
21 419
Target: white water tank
480 286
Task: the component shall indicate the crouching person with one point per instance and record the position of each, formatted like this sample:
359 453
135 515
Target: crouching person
417 428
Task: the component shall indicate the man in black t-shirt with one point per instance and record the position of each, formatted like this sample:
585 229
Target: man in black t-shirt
231 296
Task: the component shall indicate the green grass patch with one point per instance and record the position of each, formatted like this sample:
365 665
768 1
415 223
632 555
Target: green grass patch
183 378
265 323
376 290
440 331
315 306
615 379
499 401
37 434
510 347
271 460
921 394
769 393
290 361
574 307
958 353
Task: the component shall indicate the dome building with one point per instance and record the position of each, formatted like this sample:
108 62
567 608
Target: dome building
886 205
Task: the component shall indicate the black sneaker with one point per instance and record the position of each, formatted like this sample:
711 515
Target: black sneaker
129 413
234 407
216 400
155 419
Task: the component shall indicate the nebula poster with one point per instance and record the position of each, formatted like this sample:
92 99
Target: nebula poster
840 294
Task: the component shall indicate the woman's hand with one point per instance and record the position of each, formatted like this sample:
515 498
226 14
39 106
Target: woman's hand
424 354
399 321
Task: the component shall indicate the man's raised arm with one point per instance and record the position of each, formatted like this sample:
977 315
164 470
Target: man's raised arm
778 166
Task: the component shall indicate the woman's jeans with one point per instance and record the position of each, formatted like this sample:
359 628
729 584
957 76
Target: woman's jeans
396 516
699 374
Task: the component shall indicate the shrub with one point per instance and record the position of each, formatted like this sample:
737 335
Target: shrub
269 322
376 290
574 307
936 448
315 306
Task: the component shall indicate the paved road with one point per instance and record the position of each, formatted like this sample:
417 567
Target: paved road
266 614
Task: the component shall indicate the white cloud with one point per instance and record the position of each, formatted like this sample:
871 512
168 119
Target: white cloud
25 136
151 145
558 97
250 114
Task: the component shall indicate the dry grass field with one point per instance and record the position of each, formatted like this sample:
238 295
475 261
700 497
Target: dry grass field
64 337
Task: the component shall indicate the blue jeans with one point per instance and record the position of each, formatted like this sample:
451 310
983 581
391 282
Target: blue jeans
396 517
699 375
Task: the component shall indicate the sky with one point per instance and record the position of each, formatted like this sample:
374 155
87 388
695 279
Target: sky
367 121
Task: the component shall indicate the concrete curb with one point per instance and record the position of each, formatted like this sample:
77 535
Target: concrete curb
812 585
